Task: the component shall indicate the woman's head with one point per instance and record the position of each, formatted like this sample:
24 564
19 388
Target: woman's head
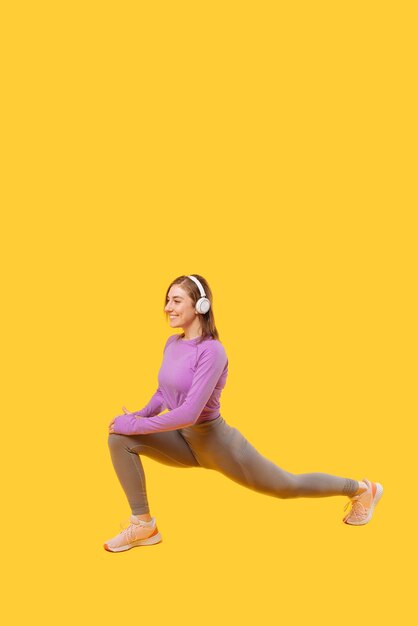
180 302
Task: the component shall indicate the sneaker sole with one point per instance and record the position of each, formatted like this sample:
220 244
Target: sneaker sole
149 541
377 496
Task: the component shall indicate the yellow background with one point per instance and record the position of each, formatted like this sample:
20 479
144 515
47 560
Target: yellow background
271 148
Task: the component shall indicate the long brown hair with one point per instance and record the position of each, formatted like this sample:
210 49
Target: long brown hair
207 320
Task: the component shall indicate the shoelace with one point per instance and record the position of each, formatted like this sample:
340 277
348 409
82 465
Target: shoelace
129 532
357 508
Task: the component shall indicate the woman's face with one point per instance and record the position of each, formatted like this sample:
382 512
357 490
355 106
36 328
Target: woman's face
180 308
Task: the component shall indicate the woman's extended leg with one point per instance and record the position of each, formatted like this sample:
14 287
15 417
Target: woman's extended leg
166 447
219 446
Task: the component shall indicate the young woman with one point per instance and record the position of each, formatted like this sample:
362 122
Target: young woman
194 434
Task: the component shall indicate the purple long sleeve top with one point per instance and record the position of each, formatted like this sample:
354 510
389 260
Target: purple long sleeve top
190 382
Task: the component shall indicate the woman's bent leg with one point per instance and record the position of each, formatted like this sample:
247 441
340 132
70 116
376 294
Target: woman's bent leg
223 448
167 447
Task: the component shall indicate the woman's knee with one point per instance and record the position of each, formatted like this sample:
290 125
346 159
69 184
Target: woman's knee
126 443
116 441
288 486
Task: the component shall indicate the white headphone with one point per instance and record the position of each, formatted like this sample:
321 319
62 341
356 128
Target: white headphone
203 304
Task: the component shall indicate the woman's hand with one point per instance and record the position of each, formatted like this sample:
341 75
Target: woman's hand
127 424
111 425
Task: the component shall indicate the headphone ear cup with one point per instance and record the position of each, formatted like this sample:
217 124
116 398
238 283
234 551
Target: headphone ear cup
202 305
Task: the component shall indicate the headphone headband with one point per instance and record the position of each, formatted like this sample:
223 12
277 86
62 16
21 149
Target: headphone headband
203 304
199 284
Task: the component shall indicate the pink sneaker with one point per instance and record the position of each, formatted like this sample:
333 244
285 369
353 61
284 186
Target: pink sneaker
138 533
362 506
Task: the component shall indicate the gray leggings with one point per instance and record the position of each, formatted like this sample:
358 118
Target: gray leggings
218 446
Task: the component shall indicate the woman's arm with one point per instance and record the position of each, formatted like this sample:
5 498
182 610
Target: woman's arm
210 367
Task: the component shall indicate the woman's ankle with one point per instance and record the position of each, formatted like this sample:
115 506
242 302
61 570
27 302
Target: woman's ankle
146 517
362 487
